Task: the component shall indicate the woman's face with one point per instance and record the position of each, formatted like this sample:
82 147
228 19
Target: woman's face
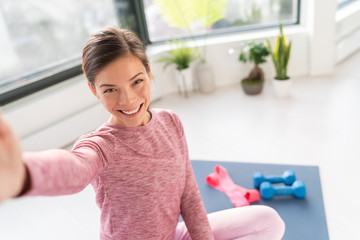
124 88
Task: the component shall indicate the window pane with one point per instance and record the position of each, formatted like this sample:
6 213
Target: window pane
239 15
38 36
342 3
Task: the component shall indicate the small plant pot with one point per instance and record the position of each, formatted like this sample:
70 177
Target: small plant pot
184 80
282 87
252 87
205 78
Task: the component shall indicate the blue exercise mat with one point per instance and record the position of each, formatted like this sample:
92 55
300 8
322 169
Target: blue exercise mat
304 218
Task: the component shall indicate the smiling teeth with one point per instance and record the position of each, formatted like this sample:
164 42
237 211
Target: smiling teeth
132 112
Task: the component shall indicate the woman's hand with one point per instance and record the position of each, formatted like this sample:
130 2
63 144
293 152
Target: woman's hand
12 168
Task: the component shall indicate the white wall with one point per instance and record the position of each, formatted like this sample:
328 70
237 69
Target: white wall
57 116
347 31
321 30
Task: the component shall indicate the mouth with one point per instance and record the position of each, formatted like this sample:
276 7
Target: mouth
132 112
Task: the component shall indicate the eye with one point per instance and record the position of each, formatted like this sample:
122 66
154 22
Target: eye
137 82
109 90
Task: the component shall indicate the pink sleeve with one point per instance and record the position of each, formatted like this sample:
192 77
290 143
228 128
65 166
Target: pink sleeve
60 172
192 207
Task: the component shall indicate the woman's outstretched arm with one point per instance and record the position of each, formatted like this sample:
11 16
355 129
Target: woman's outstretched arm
56 172
45 173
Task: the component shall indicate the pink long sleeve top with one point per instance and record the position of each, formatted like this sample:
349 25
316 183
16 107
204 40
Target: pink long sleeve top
142 177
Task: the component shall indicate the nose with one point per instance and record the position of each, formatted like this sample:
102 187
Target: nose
126 98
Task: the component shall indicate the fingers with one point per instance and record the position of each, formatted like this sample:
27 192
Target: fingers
2 121
12 169
3 126
8 138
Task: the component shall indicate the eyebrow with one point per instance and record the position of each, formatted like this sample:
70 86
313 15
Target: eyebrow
112 85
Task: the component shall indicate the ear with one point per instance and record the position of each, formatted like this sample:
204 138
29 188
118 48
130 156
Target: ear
93 90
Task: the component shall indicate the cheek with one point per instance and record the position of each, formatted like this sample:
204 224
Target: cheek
147 91
107 102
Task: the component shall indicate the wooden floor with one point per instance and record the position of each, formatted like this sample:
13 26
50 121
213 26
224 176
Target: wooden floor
317 125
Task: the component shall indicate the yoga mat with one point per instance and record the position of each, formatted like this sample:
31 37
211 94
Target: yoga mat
304 218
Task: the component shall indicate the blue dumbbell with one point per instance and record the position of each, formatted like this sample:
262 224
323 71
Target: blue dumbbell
288 178
297 189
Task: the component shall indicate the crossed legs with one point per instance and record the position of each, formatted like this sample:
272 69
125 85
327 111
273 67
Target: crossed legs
245 223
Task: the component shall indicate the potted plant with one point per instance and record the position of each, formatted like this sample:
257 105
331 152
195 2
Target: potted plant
181 56
280 56
257 53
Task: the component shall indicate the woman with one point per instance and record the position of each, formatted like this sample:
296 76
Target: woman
137 162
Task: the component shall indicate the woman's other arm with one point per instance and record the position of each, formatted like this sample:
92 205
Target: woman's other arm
193 210
192 207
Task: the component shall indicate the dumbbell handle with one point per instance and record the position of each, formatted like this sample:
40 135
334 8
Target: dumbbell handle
283 190
274 179
288 177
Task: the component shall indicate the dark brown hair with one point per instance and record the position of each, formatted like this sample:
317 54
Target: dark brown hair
108 45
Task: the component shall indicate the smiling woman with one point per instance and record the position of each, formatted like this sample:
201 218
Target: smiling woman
137 162
121 78
124 87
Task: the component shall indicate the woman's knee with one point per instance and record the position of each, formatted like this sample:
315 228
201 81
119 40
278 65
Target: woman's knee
272 223
252 222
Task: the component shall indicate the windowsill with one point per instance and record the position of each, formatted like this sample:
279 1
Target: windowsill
155 49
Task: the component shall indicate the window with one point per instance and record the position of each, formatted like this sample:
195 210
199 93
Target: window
343 3
238 15
42 40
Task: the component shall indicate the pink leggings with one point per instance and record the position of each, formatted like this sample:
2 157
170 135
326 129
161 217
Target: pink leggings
251 222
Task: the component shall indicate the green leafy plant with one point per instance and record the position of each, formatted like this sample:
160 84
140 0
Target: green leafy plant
176 12
257 53
180 55
207 12
182 13
280 55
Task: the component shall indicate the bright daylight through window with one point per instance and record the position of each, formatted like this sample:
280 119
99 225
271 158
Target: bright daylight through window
167 19
41 39
343 3
42 36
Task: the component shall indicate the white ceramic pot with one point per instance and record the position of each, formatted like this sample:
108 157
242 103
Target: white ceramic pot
282 87
184 79
205 78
